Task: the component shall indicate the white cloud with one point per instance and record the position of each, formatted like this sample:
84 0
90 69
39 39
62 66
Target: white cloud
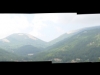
65 18
86 20
9 25
40 21
55 17
15 23
60 30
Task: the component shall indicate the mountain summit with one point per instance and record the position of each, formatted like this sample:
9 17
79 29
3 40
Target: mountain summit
83 46
20 39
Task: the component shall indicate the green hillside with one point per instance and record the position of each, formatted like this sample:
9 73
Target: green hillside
81 47
27 49
62 37
7 56
17 40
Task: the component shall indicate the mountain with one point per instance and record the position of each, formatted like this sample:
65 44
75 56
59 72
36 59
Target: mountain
20 39
62 37
7 56
27 50
83 46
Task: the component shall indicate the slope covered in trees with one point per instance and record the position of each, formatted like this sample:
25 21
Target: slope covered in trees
80 46
7 56
83 46
27 50
60 38
17 40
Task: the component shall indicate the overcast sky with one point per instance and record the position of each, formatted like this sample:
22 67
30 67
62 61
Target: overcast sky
46 26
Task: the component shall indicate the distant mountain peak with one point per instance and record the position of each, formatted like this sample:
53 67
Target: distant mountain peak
5 40
72 31
28 35
69 32
32 37
20 34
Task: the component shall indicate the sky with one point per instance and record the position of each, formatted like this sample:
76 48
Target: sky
47 26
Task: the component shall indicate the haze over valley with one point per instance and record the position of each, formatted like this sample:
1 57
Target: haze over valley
56 37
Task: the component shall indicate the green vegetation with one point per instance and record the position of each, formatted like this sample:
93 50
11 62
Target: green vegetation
27 49
17 41
60 38
7 56
84 46
80 46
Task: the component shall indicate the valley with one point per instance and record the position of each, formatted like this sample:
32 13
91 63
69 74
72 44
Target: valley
81 45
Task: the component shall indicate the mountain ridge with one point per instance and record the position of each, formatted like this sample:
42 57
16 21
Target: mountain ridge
17 40
82 47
